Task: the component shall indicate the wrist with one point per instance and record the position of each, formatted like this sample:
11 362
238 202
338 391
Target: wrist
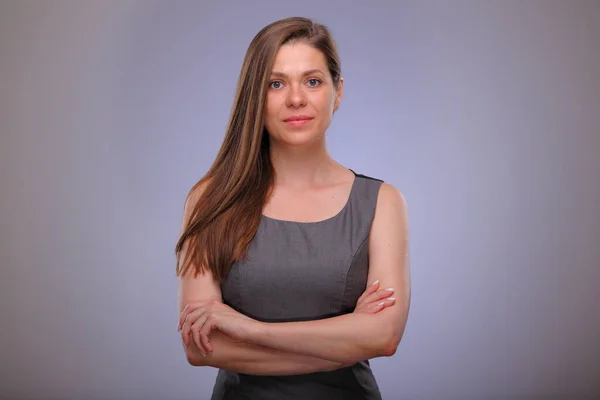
257 331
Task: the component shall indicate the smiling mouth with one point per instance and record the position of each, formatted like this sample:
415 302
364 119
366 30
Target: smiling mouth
297 121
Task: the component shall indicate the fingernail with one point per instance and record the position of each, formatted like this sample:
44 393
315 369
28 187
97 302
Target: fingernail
375 283
390 289
382 303
391 299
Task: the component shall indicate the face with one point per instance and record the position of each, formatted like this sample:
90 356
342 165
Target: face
301 97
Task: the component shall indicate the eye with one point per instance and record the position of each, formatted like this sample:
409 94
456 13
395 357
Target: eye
275 84
314 82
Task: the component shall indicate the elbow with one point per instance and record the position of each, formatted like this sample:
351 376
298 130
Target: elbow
382 341
390 343
195 359
381 346
389 348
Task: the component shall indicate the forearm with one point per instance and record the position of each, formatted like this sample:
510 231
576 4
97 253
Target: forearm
254 359
346 339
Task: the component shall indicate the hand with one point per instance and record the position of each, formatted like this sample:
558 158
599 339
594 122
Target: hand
199 319
372 300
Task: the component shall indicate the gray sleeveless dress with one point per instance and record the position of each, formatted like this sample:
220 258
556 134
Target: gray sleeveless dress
300 271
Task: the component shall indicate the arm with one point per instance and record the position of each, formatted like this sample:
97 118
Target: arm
235 355
252 359
239 356
353 337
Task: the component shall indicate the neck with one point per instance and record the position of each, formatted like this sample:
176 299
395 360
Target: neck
300 167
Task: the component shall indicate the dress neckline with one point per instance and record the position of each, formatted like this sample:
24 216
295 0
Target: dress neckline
346 205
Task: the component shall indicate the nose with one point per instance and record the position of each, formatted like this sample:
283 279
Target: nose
295 96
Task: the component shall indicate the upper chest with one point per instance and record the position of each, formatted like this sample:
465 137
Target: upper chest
309 205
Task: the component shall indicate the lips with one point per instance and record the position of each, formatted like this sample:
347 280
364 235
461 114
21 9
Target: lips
296 121
297 118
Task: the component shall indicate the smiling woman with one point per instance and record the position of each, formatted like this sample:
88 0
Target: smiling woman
300 95
279 241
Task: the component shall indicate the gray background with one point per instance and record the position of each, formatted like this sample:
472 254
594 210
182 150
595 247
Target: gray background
486 114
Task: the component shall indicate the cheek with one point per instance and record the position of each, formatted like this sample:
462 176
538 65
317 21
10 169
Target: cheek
270 112
325 107
326 101
274 105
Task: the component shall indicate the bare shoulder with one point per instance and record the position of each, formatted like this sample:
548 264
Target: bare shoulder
194 195
391 205
389 234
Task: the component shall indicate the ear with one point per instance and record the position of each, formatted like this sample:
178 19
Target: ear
339 93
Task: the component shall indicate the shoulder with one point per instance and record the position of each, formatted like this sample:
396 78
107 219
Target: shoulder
390 214
368 178
195 193
390 197
391 211
193 197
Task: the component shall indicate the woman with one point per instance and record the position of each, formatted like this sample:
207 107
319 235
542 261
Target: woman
279 240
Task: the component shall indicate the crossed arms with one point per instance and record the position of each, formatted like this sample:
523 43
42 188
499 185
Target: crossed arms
214 335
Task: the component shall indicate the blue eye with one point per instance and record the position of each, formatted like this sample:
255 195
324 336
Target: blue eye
271 84
317 82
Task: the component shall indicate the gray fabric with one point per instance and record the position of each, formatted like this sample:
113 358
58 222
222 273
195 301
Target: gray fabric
305 271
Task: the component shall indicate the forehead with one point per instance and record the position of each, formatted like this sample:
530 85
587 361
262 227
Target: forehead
298 57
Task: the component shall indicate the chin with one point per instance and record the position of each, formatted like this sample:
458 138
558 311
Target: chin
299 138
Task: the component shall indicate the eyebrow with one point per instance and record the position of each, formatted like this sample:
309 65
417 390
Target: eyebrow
309 72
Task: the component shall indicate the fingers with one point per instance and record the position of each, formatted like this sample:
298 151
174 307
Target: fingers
195 324
196 328
376 302
379 295
186 330
187 325
184 313
182 318
376 307
371 289
200 331
195 331
189 307
205 332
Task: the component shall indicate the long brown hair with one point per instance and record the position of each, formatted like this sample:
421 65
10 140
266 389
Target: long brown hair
224 220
